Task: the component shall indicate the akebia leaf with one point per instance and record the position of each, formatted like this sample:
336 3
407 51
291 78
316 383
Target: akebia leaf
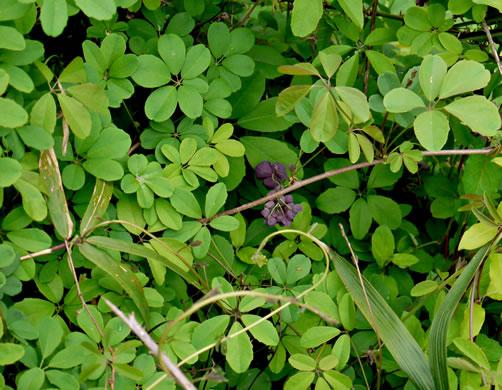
324 122
54 17
76 115
197 60
172 50
305 16
92 96
263 118
97 9
121 273
161 103
190 101
432 73
464 76
290 97
11 113
218 37
100 199
431 129
478 113
11 39
354 10
152 72
239 350
402 100
11 171
301 69
356 101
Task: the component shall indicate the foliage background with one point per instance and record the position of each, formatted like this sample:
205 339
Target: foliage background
130 133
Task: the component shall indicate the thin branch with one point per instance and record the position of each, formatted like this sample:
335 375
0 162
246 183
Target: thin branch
492 45
43 253
325 175
243 21
372 27
143 335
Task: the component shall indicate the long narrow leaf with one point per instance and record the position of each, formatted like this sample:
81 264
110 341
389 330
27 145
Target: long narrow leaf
140 250
58 207
122 274
441 321
401 344
98 204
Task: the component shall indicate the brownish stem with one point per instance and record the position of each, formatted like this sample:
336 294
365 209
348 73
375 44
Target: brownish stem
492 45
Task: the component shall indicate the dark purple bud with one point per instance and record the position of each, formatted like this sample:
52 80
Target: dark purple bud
270 204
265 213
280 173
271 221
288 198
264 169
269 182
286 222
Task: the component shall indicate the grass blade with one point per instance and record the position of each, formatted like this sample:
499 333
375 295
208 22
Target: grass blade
400 343
441 321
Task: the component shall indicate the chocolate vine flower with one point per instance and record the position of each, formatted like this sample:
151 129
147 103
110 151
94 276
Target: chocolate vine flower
271 174
282 211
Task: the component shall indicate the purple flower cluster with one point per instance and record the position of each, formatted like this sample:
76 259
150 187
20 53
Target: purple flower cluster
272 175
281 210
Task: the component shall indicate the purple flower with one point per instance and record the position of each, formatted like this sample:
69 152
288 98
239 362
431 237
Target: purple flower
281 210
271 174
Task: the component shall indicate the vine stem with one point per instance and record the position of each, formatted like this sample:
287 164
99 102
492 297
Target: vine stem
492 45
334 172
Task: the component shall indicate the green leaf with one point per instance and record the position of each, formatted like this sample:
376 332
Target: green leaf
100 199
50 335
122 274
431 129
152 72
104 168
416 18
305 16
11 171
88 325
10 353
360 218
380 36
43 113
356 101
478 113
423 288
472 351
299 381
264 118
290 97
324 121
31 379
404 260
239 350
11 39
197 60
215 199
190 101
336 200
92 96
259 149
264 332
73 355
472 75
161 103
385 211
33 201
239 64
7 257
441 321
74 72
347 312
354 10
12 114
382 244
477 235
58 207
186 203
120 140
302 362
379 62
123 67
402 100
30 239
172 50
298 267
62 379
301 69
76 115
218 37
36 137
400 343
226 223
54 17
209 331
129 211
97 9
318 335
